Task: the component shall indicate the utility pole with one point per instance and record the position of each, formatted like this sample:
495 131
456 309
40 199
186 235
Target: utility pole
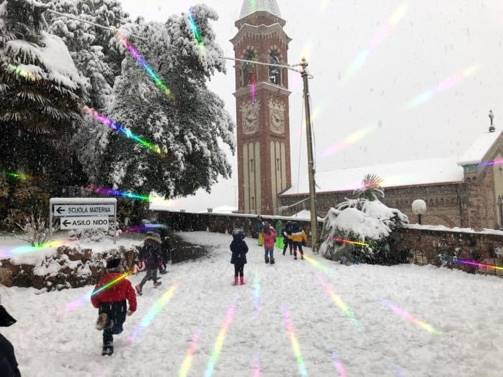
310 158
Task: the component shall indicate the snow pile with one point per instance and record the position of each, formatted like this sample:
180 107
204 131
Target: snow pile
369 223
419 206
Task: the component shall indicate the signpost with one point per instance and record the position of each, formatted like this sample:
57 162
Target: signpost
84 213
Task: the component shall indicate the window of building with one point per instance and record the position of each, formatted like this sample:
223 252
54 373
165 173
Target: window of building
274 72
249 70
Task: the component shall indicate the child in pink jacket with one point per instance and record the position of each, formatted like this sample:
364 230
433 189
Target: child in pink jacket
269 241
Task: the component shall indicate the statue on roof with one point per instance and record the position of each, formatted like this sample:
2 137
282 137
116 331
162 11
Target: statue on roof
491 117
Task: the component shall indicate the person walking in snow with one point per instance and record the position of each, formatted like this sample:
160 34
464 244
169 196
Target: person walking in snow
298 238
287 232
109 297
8 362
260 230
269 241
239 248
150 255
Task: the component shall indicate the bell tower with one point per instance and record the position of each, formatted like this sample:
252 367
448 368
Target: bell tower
262 106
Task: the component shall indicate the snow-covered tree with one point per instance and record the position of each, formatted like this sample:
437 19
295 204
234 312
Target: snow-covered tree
40 95
190 125
98 56
359 230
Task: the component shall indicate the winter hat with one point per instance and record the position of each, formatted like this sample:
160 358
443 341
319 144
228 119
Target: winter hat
113 263
238 233
154 235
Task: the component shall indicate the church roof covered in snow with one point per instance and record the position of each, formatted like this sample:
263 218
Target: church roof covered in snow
406 173
252 6
479 148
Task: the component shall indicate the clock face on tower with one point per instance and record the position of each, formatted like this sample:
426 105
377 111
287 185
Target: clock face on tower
250 117
277 115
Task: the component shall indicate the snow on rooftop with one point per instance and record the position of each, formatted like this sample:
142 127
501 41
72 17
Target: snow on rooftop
479 148
252 6
406 173
225 209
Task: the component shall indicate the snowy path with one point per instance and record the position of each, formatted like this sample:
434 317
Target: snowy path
335 319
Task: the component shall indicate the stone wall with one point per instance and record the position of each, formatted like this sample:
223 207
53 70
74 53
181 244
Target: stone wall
222 223
428 245
425 244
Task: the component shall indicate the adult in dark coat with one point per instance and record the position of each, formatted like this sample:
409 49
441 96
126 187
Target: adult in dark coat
287 232
239 248
150 254
8 362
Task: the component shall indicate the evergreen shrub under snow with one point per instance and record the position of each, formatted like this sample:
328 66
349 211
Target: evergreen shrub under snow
359 230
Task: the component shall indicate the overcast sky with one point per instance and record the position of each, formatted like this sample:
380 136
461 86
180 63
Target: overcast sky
416 78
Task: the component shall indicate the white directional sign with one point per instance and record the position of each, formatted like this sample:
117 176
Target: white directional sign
85 223
63 210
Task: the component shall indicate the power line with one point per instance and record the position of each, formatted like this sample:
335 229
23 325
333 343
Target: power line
75 18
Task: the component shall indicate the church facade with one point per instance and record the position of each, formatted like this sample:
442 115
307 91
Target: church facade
465 193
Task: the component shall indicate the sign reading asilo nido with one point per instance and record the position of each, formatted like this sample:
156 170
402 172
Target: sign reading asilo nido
84 213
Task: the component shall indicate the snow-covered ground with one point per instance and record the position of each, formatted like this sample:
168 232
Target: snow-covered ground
296 318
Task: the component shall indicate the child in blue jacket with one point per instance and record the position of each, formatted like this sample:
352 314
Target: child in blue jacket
239 248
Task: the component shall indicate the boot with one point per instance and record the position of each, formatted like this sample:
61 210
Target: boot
138 290
108 349
272 260
242 280
157 284
235 280
102 321
266 259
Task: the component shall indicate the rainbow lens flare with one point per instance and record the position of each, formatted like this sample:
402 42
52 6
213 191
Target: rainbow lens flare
84 299
217 348
142 228
154 311
295 344
21 250
256 293
497 162
119 128
410 318
196 32
442 86
133 51
339 366
18 175
343 307
118 193
353 138
316 264
256 367
357 243
189 355
376 41
19 71
467 262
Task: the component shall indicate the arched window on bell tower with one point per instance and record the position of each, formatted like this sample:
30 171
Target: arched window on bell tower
249 70
274 72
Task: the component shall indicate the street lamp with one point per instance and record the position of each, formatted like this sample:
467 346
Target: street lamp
419 208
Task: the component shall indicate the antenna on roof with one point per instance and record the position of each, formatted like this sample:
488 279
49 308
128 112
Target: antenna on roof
491 117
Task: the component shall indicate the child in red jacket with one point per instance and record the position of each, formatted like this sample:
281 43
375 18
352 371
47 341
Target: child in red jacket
269 241
110 296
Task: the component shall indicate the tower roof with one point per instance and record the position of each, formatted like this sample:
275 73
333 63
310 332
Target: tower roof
252 6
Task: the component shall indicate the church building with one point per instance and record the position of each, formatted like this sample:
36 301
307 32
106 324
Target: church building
465 192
